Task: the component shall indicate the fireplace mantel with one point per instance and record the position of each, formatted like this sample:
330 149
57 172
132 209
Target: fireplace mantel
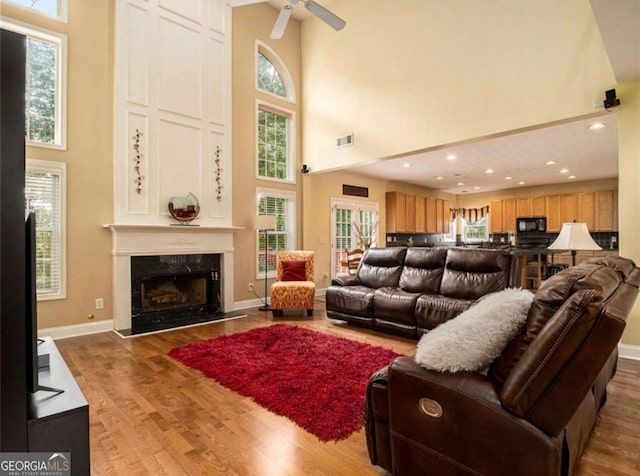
139 240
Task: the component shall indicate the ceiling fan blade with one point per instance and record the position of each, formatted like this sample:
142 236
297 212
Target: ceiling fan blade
325 15
239 3
281 22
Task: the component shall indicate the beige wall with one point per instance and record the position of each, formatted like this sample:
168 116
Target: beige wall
405 75
88 158
629 191
251 23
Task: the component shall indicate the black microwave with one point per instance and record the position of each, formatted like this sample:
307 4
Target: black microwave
537 224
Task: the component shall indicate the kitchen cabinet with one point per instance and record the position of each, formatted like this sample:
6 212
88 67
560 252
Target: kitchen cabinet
411 214
569 208
606 211
523 207
396 211
420 214
537 206
439 215
431 215
553 206
495 216
509 215
586 210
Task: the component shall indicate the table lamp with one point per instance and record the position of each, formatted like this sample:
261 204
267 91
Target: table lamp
574 237
265 223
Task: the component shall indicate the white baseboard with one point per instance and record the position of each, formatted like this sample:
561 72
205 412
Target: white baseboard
627 351
75 330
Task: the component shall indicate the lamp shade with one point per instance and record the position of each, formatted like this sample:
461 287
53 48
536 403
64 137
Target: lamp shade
265 222
574 236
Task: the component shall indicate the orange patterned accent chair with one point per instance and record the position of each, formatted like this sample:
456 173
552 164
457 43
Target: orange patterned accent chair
294 288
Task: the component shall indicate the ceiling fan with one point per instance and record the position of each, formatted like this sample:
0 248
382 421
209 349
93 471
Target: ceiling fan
316 9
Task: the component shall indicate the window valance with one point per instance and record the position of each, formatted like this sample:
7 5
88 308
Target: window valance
472 215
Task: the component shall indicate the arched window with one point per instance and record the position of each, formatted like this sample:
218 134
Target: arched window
272 77
268 77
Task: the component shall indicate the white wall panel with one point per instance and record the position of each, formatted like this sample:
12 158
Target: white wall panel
137 55
179 162
217 82
217 16
190 9
137 184
180 71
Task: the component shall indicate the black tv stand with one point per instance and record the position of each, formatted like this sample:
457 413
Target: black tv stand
60 422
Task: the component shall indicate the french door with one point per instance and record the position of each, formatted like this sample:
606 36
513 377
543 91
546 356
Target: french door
354 224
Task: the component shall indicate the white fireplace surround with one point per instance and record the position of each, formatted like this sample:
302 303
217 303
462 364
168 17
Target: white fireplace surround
151 240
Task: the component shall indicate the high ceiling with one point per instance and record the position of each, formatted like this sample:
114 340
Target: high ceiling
587 154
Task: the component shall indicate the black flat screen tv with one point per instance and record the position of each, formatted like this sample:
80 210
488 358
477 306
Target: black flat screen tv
31 302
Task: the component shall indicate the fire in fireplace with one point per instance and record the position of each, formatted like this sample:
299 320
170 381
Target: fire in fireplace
176 290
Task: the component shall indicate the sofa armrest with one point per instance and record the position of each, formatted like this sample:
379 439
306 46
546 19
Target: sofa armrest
468 430
345 280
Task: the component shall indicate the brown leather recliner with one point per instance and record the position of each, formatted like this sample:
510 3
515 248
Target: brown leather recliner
533 411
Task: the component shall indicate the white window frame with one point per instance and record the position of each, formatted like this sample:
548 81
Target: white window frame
291 216
277 62
474 240
357 206
291 140
60 41
63 10
60 169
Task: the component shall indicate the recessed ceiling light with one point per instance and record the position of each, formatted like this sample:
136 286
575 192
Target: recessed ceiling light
406 165
451 157
571 177
488 171
460 184
597 125
564 171
508 178
521 182
476 188
550 162
439 178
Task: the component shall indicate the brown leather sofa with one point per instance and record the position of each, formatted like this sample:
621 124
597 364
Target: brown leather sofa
534 409
409 291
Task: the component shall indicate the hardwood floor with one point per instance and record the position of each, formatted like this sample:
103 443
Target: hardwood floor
151 415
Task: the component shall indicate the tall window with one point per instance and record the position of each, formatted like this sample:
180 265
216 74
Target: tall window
274 143
45 195
45 84
354 225
280 204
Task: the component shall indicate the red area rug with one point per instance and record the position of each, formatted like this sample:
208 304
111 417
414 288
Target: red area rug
317 380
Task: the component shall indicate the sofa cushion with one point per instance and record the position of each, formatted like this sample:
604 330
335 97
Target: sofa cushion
478 335
381 267
472 273
395 305
355 300
434 309
423 269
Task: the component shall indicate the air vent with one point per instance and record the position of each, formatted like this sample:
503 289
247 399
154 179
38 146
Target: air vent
344 141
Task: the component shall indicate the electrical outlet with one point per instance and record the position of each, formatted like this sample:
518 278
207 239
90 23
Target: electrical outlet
99 303
250 287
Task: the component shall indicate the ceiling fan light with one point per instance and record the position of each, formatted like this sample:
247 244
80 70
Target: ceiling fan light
281 23
325 15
